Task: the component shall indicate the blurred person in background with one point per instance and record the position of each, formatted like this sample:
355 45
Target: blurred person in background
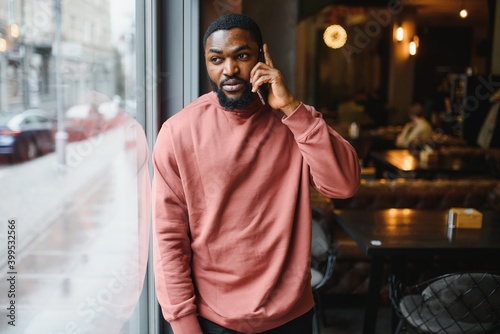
417 129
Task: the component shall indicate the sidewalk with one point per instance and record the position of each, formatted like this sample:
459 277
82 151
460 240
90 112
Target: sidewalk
81 238
35 192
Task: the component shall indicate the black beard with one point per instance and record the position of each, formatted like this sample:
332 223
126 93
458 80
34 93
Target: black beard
244 101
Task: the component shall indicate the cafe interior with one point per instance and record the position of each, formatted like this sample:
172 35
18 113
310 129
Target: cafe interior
426 211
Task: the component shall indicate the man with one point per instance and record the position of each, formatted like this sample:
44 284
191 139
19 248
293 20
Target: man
232 210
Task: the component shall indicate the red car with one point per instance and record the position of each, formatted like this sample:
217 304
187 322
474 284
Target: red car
83 121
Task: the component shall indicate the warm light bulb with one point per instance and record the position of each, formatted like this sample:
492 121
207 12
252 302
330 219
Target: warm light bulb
413 48
463 13
335 36
400 33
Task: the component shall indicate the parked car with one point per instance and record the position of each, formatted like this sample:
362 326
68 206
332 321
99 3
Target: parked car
26 135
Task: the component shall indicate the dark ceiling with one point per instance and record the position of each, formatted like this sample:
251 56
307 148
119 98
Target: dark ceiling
428 12
445 12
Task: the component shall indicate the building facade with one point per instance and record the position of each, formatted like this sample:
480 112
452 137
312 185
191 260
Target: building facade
27 54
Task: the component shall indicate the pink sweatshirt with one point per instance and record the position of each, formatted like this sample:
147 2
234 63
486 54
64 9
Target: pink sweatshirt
232 213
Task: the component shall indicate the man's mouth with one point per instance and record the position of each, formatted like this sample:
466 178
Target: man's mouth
232 85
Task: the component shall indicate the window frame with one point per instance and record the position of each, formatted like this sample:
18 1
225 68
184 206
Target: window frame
166 66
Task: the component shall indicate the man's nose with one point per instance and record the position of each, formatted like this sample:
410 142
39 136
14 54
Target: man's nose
231 67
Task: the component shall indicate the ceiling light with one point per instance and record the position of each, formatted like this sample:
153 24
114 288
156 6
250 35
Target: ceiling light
400 33
413 46
463 12
335 36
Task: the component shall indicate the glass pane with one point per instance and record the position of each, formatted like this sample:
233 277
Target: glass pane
74 196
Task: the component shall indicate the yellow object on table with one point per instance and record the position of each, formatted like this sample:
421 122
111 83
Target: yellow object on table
464 218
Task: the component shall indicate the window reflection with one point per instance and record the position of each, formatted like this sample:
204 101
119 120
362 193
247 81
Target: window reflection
81 224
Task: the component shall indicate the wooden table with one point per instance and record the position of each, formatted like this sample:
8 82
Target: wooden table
403 164
394 233
372 141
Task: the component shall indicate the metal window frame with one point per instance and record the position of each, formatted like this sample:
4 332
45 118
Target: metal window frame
168 72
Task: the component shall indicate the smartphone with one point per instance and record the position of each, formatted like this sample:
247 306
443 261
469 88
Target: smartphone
261 92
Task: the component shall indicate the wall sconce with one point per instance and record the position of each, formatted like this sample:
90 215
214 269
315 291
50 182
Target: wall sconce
400 33
413 46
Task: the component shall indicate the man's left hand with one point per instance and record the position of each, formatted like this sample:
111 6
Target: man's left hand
279 96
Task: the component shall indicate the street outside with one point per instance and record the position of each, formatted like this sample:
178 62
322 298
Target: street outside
78 259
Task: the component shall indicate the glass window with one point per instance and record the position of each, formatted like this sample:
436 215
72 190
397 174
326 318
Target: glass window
74 198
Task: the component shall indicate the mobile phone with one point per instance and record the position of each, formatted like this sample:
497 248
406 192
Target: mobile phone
260 90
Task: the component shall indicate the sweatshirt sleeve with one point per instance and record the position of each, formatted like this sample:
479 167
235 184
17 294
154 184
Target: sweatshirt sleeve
333 162
171 242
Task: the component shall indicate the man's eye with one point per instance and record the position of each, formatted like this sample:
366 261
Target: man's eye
242 56
215 60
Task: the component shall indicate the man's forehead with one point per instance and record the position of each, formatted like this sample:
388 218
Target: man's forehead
230 38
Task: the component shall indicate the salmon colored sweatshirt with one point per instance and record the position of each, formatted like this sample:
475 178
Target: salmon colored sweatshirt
232 212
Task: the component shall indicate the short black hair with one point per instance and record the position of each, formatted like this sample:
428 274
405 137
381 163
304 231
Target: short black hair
230 21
